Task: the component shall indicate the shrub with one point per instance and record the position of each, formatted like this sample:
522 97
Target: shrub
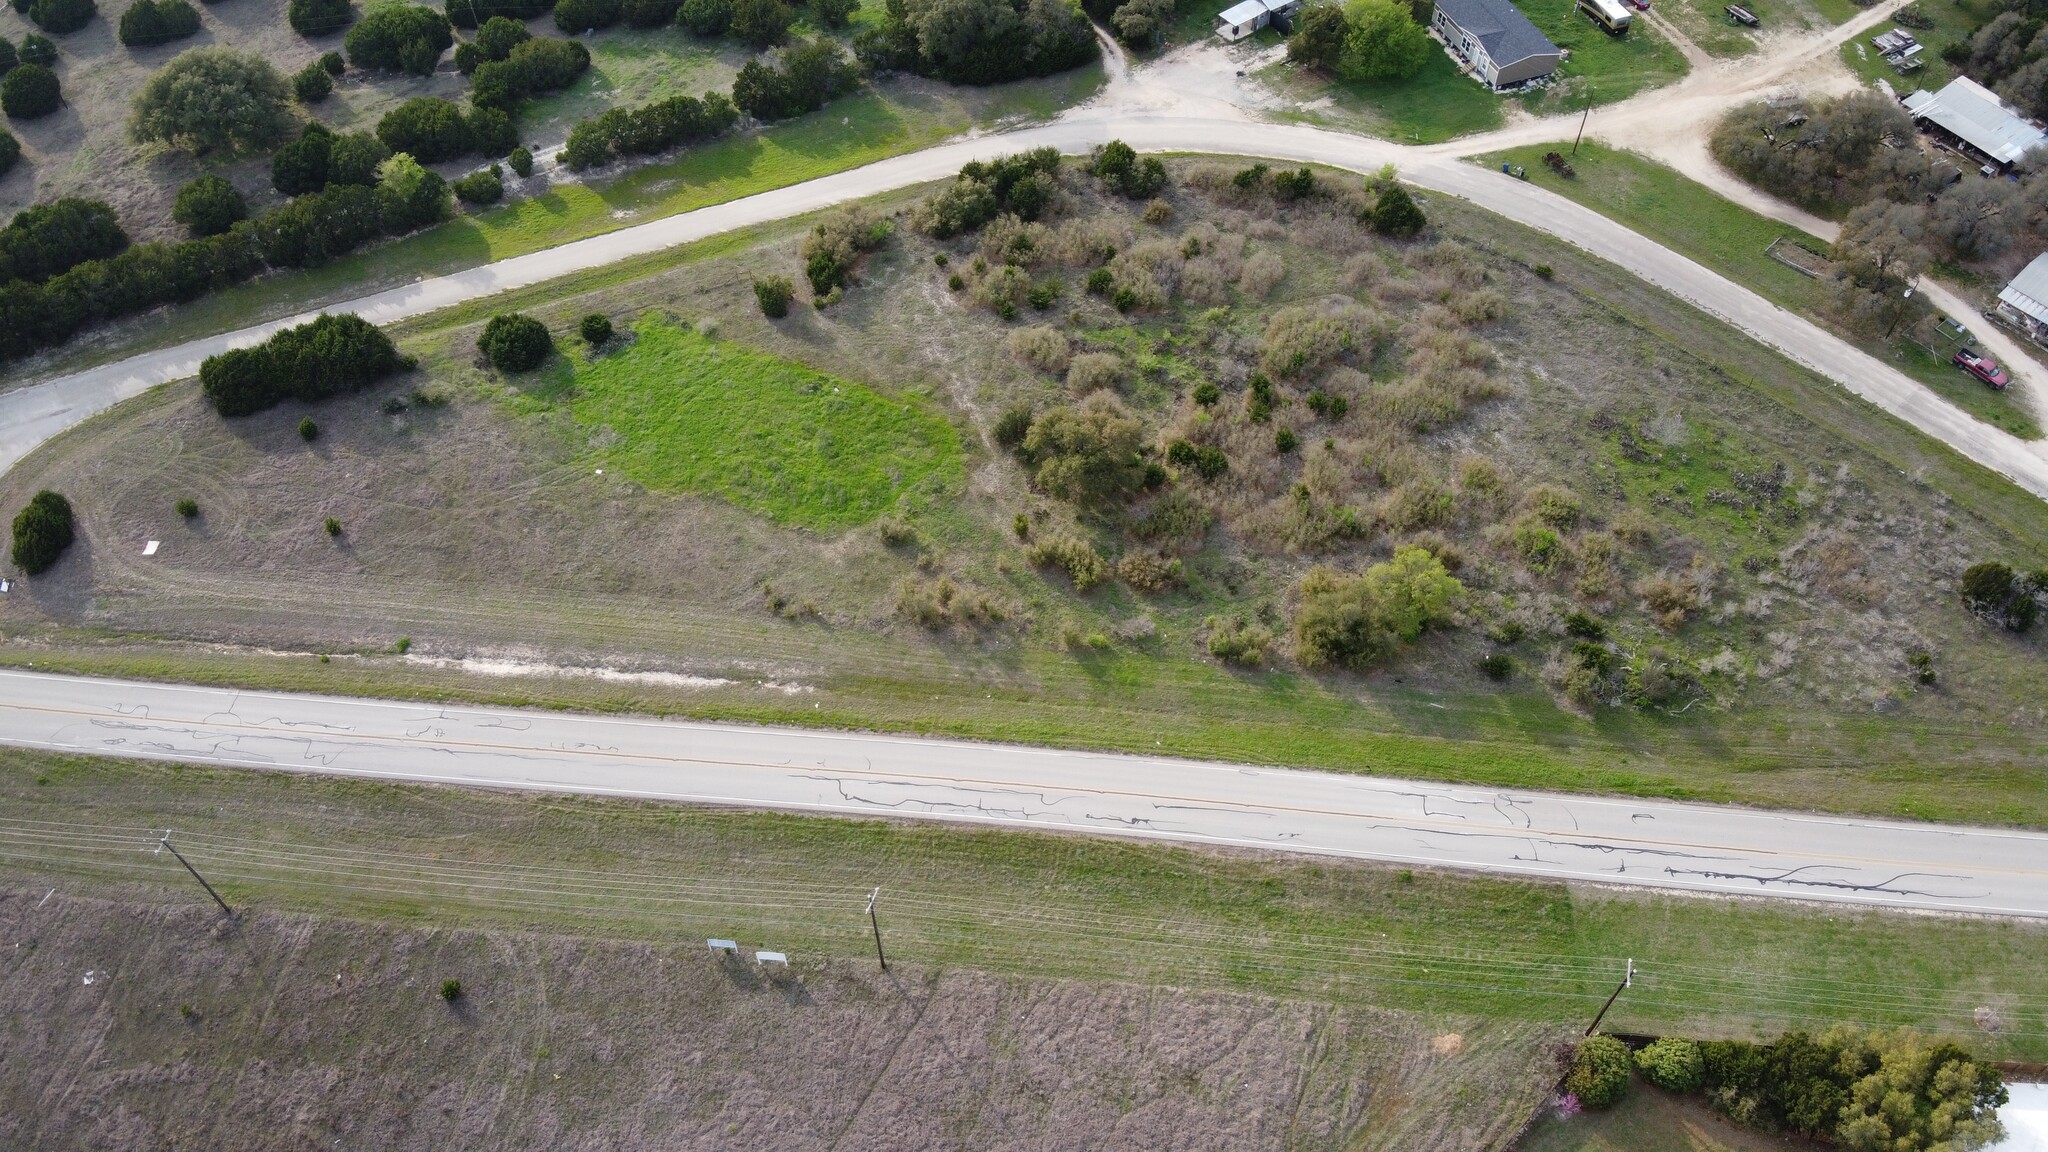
1147 572
811 74
312 84
209 206
1497 665
332 63
10 152
1237 641
36 49
773 294
1358 621
1120 169
331 526
834 13
1087 454
150 22
211 98
428 128
311 18
705 17
42 531
309 432
1599 1072
301 166
978 41
324 357
8 57
1074 556
491 133
451 990
1094 372
515 343
649 13
187 507
1898 1091
1673 1064
1012 427
61 16
471 13
596 329
499 35
521 162
47 239
833 248
761 23
646 131
576 16
355 158
483 187
1544 271
1993 591
528 69
400 38
1395 213
1207 394
30 92
1043 347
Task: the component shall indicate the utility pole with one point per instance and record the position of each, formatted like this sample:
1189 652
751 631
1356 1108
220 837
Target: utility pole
877 926
1627 979
1583 117
166 843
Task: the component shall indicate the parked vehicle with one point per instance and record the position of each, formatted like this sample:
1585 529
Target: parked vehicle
1983 368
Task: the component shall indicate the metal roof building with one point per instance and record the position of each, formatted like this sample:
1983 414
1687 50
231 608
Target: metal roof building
1968 112
1494 37
1242 20
2025 300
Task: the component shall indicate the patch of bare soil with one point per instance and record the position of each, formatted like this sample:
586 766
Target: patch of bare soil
147 1026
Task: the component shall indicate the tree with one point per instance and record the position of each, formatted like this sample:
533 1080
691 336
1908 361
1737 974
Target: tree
1918 1094
1976 219
1139 22
213 98
648 13
578 16
42 531
325 357
400 38
408 196
10 151
979 41
354 159
311 18
1881 254
471 13
1088 454
1599 1072
1318 40
58 17
312 84
761 23
515 343
1673 1064
301 166
705 17
428 127
498 36
1395 213
1358 621
834 13
1383 41
773 294
38 50
149 22
209 206
45 240
30 92
1995 592
8 57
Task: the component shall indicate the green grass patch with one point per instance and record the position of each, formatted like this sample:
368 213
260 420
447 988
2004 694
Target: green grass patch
1436 104
1020 902
1954 20
1706 24
1692 219
694 414
1602 68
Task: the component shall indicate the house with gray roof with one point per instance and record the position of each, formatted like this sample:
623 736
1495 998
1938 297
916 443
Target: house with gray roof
2025 300
1495 41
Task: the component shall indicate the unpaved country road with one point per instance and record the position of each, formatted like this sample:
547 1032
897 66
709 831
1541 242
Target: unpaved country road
32 415
1640 842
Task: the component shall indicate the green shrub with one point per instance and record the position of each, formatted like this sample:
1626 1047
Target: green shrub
1673 1064
30 92
596 329
309 431
1395 213
1074 556
324 357
38 49
332 526
209 206
1995 592
1284 440
1544 271
773 294
645 131
834 13
515 343
809 74
46 239
578 16
1120 169
1207 394
355 158
1584 627
187 507
213 98
1357 621
1497 665
499 35
1898 1091
521 162
484 187
8 57
761 23
332 63
1599 1072
1238 641
42 531
471 13
428 128
301 166
61 16
451 990
1088 454
530 68
705 17
1012 427
311 18
982 42
312 84
649 13
151 22
10 152
400 38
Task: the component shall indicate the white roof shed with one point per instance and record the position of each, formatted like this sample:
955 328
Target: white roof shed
1969 111
2028 292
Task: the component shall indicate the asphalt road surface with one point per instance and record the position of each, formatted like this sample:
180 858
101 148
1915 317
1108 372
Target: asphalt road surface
29 416
1615 840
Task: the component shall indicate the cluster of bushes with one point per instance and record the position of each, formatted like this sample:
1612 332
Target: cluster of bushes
46 239
1364 40
529 67
2008 55
1358 621
1091 454
315 82
432 130
318 227
30 92
1117 165
1022 185
400 38
1138 23
645 131
809 75
326 357
311 18
151 22
320 157
58 17
42 531
835 246
2009 599
978 41
213 98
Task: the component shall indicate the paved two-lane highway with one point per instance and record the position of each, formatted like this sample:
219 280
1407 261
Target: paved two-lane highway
1616 840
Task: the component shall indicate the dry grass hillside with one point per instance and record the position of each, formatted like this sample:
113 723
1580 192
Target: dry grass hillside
134 1025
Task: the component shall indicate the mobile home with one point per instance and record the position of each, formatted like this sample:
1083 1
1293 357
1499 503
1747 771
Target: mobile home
1611 15
1495 41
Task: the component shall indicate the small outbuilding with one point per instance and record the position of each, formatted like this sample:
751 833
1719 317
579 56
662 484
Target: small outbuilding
1495 41
2025 300
1236 23
1966 114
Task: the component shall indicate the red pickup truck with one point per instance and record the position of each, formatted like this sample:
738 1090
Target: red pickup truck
1983 368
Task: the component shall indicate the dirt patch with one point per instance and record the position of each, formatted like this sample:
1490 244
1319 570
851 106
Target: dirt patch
135 1025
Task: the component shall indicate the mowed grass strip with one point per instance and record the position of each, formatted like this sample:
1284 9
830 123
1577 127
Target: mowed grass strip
695 414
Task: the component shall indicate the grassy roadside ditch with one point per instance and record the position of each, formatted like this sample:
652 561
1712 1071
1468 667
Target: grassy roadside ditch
1691 219
1023 903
